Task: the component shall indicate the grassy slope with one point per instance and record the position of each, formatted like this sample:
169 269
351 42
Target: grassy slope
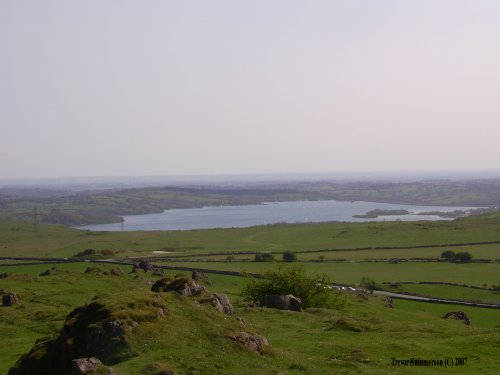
449 292
364 340
22 240
351 273
192 340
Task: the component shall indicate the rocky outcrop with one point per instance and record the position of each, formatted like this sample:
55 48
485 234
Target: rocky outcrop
92 333
87 366
182 286
9 299
459 315
201 276
252 342
220 302
143 265
283 302
89 331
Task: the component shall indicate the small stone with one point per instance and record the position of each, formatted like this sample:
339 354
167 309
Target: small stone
283 302
252 342
87 366
10 299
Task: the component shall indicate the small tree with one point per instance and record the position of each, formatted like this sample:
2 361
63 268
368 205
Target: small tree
313 291
321 258
448 254
289 256
463 257
230 258
368 284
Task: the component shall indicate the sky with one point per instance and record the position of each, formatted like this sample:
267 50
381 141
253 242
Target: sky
125 88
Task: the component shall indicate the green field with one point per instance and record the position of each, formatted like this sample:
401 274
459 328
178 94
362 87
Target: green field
193 339
22 239
361 338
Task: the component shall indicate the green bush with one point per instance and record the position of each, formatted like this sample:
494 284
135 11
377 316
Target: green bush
289 256
368 284
463 257
314 291
448 254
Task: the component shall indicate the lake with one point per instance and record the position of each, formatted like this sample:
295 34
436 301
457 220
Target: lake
266 213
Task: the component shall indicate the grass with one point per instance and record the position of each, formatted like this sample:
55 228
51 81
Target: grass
21 239
192 339
449 292
351 273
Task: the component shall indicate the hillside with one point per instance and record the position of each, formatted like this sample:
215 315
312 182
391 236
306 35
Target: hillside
106 206
189 338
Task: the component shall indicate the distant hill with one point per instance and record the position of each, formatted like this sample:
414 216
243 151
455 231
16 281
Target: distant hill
107 206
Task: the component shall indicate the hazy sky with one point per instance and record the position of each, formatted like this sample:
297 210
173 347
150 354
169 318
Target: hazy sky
91 88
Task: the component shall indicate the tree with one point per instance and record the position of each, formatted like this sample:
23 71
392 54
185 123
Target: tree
448 254
230 258
313 291
289 256
368 284
463 257
321 258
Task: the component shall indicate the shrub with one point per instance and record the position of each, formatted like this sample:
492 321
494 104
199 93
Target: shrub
368 284
86 252
108 252
289 256
314 291
448 254
463 257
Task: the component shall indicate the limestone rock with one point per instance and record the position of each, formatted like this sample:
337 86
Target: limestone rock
9 299
252 342
221 303
86 366
182 286
201 276
460 315
283 302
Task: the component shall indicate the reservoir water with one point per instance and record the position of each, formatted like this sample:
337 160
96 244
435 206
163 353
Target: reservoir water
266 213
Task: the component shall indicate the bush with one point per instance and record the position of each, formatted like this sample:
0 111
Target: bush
368 284
86 252
463 257
289 256
108 252
448 254
313 291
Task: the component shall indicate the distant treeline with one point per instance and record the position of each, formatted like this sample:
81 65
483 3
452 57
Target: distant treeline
107 206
